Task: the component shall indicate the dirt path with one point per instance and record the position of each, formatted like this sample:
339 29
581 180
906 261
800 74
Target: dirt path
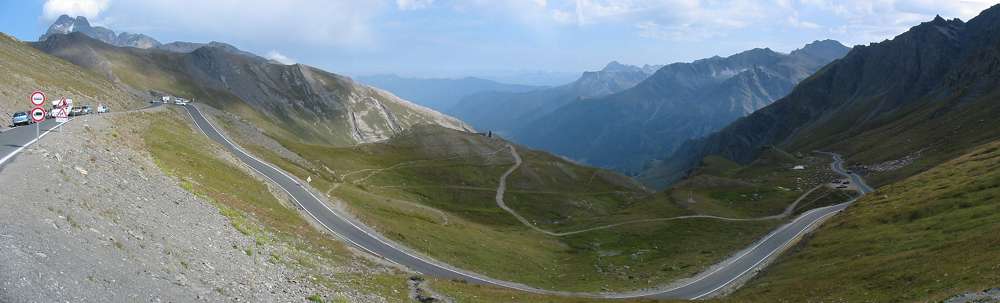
502 189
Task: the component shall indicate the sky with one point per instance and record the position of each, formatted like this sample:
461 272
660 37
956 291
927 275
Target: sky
454 38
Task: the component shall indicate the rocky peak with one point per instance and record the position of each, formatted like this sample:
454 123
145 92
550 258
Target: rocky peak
63 25
615 66
827 50
939 20
67 25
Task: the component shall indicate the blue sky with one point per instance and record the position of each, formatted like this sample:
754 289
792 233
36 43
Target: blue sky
442 38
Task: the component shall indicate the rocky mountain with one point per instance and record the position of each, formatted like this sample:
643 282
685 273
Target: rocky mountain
187 47
625 130
439 94
503 112
928 94
66 24
615 77
288 101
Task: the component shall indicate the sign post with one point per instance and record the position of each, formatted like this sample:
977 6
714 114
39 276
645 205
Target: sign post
37 99
37 115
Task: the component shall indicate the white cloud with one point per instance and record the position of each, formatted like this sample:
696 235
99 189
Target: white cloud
52 9
413 4
319 23
676 32
279 57
862 21
794 21
698 19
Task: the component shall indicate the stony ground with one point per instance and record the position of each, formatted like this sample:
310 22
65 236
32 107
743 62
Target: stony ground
986 296
88 219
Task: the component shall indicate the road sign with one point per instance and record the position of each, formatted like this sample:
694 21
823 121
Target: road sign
61 112
38 114
37 98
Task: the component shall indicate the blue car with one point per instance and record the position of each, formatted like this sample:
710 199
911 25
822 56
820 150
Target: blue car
20 118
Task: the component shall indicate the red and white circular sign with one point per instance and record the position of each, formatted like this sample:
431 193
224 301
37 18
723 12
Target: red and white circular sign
38 114
37 98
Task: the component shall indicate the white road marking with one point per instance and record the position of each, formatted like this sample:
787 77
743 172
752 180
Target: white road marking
19 149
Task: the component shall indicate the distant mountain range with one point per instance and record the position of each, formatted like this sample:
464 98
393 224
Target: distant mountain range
529 77
681 101
287 101
439 94
504 112
929 93
66 25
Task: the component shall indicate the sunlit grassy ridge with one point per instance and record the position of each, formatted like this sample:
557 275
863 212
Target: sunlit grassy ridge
925 238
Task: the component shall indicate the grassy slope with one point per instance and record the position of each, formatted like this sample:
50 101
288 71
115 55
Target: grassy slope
942 131
763 188
443 206
26 69
925 238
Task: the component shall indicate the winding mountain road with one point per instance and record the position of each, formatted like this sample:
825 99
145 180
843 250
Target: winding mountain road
701 286
705 284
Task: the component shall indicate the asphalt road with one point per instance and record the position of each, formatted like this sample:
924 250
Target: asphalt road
705 284
774 243
13 140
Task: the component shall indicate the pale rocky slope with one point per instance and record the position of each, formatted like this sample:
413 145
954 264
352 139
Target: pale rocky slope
97 221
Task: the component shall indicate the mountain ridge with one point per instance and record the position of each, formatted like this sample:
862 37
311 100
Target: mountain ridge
939 74
310 103
66 24
502 112
623 131
439 93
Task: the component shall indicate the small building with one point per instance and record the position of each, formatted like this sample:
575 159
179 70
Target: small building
799 167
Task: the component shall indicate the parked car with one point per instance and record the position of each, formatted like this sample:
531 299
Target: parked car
76 111
102 109
21 118
87 110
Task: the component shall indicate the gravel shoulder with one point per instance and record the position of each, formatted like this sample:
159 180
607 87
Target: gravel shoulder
90 218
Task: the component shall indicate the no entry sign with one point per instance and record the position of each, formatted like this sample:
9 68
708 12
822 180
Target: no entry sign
37 98
38 114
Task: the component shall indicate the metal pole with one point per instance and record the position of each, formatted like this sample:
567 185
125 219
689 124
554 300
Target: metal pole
37 126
